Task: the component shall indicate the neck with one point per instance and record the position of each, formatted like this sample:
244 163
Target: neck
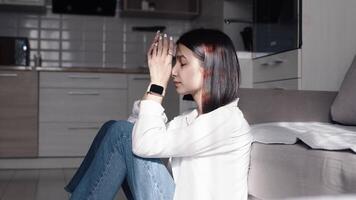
198 100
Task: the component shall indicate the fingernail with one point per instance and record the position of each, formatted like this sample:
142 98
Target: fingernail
158 31
165 35
160 37
170 38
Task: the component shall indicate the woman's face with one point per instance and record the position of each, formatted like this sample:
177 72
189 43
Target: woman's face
187 73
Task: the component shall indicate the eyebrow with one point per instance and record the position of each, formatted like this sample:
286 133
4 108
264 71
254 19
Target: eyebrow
181 56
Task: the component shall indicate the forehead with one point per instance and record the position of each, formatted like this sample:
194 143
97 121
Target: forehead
182 50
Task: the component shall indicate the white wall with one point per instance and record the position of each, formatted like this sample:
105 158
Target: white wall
329 43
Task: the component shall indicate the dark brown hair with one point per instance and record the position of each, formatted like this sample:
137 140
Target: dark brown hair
221 67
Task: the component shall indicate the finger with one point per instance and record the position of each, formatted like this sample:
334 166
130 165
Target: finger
155 49
160 46
153 44
152 49
149 52
171 51
165 45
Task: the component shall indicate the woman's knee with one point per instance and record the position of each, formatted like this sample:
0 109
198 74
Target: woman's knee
108 123
120 128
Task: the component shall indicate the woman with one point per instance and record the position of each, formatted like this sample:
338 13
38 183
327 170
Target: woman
208 147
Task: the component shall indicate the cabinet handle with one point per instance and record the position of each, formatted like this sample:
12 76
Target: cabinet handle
279 61
279 88
79 128
266 64
83 93
141 78
83 77
8 75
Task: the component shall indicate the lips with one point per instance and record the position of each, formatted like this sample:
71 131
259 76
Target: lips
176 83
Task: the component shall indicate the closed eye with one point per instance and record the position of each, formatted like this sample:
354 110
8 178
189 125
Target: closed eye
181 59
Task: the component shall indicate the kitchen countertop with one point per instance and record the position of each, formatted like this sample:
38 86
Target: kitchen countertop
251 55
15 68
136 70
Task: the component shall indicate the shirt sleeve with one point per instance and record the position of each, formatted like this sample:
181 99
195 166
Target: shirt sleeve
134 113
151 138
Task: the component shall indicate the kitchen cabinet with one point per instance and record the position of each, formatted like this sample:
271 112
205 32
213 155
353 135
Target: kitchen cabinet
276 69
177 9
137 86
82 97
73 106
18 114
280 71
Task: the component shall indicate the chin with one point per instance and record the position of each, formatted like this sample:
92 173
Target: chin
181 92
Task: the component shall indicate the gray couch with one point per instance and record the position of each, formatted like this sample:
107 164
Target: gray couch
280 171
273 105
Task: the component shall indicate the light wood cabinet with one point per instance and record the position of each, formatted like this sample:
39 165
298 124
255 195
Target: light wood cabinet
137 86
58 114
18 114
83 80
82 97
73 106
82 105
66 139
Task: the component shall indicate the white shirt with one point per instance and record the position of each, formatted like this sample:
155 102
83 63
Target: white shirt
209 154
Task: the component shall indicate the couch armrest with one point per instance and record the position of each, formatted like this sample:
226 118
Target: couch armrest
272 105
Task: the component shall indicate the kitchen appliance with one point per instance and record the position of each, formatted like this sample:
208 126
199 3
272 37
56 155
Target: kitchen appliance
14 51
277 25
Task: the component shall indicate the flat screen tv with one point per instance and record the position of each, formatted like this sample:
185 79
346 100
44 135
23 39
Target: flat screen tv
85 7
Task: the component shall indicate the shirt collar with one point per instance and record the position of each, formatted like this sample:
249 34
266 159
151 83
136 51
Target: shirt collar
194 113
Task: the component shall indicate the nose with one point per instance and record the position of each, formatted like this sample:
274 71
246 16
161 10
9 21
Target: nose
174 71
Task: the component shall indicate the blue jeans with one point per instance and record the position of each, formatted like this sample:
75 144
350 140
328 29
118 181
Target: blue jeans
110 164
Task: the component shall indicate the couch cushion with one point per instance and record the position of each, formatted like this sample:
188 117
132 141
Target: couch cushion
343 109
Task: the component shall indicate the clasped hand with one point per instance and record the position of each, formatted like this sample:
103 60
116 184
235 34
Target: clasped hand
160 56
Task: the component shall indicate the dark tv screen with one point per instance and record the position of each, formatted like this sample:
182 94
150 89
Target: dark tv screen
85 7
276 25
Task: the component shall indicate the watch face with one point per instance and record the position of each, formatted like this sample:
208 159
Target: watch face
156 89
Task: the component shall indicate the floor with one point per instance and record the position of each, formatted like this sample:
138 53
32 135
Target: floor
34 184
39 184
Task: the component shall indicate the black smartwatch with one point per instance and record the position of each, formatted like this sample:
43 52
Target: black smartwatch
156 90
